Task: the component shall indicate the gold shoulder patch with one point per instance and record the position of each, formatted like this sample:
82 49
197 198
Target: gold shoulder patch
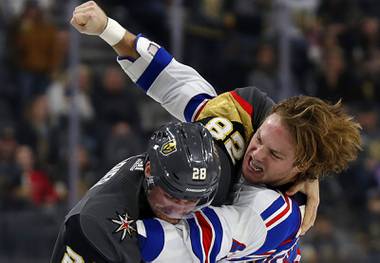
169 147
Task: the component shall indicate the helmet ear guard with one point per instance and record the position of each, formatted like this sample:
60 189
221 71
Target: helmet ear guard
184 162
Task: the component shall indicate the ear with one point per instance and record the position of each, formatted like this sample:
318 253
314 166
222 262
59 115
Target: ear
298 169
301 168
147 169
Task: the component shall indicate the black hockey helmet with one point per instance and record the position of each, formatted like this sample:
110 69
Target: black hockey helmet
184 162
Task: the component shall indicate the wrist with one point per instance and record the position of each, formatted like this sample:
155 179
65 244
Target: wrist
113 32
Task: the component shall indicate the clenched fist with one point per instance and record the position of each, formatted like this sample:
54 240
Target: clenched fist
89 18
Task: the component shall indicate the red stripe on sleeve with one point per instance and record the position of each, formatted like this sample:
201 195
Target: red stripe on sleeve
207 235
286 241
245 104
273 220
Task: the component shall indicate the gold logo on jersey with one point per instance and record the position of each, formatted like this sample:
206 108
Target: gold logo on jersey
169 147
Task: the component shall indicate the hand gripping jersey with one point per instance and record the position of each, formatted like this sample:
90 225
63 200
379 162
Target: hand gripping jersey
102 226
231 117
262 224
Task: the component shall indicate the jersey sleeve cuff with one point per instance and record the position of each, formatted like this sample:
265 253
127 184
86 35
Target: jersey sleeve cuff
144 70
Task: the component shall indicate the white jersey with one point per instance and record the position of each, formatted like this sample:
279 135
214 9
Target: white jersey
262 226
177 87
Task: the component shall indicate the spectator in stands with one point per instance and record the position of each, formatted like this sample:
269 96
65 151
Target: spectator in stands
368 117
122 141
36 186
88 170
60 93
334 80
373 226
115 103
34 44
35 131
366 53
10 174
265 71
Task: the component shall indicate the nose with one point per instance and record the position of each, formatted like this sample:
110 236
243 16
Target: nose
259 153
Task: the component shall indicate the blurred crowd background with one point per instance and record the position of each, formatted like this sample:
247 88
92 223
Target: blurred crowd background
52 78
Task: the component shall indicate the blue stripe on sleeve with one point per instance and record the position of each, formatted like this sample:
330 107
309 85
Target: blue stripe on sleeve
283 231
152 246
293 253
158 63
195 239
273 208
193 104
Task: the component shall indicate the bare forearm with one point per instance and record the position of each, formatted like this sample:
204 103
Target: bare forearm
126 46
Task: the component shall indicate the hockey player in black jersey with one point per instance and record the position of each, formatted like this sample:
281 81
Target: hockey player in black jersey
177 175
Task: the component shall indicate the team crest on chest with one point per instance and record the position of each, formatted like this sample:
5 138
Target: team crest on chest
124 225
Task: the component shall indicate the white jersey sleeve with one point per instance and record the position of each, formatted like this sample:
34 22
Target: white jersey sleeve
177 87
162 242
263 225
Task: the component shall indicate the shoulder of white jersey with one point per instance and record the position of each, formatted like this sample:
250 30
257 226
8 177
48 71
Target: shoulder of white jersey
223 232
206 235
161 241
201 238
282 219
273 206
179 88
257 197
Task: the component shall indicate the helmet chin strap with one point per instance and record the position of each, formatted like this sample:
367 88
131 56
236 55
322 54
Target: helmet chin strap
149 182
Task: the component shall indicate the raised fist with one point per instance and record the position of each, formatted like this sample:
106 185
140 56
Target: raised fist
88 18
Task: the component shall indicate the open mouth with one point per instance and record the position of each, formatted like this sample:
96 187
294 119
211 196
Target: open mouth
254 166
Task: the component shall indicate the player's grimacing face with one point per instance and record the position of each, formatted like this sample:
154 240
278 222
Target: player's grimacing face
270 155
167 207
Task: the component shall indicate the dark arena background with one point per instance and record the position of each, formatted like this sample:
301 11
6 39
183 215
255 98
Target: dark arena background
68 113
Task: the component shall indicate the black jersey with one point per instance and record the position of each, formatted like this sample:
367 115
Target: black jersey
101 227
232 118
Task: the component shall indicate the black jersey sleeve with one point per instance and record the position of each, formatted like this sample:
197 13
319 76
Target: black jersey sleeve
73 246
260 102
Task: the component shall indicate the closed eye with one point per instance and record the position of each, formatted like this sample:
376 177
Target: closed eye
275 155
258 138
168 196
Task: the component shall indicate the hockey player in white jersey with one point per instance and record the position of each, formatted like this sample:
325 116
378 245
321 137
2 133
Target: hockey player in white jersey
262 226
301 139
